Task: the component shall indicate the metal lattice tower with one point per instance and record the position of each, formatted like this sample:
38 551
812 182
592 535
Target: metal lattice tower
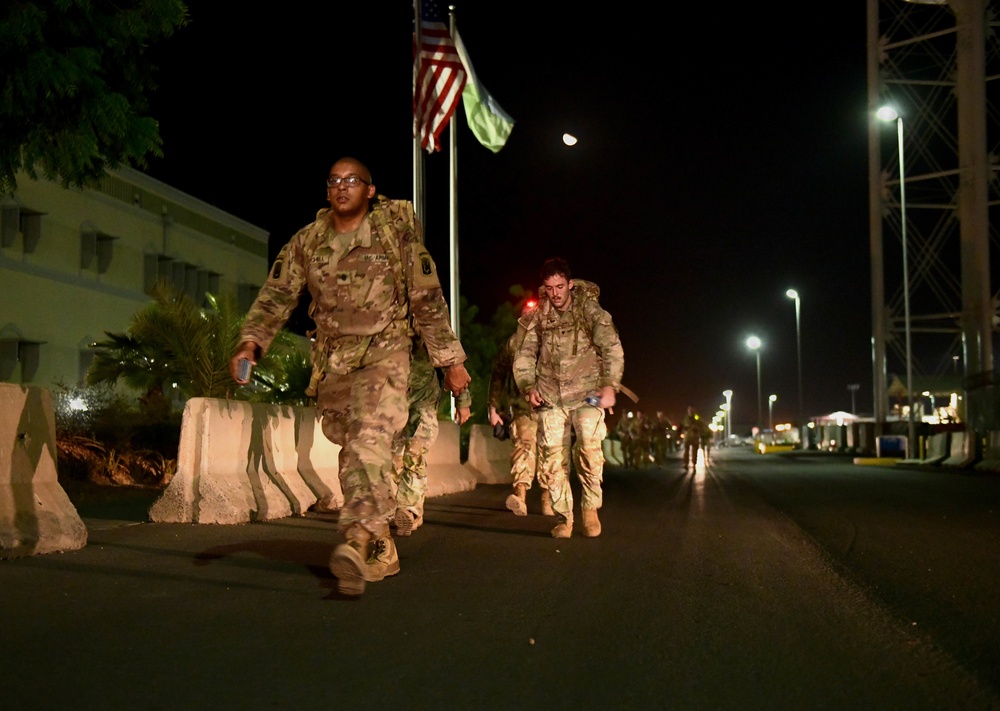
937 64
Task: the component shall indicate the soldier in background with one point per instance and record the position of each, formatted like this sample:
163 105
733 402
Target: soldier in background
624 430
662 431
570 354
506 406
411 445
693 426
372 281
707 435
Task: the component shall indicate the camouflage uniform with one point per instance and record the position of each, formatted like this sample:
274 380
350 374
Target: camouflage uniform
367 288
624 430
692 437
412 444
505 399
565 356
661 438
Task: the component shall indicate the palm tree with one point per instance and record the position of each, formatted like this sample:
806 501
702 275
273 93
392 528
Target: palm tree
173 342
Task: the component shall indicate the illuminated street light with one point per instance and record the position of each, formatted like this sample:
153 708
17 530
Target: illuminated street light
770 411
793 294
754 344
728 394
887 113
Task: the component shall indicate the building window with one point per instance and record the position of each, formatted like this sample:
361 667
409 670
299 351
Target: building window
96 250
31 229
158 268
208 283
17 221
19 360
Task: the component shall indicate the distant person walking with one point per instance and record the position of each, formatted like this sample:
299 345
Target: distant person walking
693 427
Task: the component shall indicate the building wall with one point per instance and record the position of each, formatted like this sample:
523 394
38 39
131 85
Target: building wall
75 263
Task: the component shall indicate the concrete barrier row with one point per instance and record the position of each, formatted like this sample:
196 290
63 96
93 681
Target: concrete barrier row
239 462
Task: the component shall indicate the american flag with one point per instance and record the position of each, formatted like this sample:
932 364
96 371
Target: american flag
438 76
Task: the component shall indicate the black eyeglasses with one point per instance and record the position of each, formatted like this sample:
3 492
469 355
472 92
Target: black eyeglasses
350 181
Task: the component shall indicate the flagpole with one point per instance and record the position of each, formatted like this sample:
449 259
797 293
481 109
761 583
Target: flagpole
418 156
453 208
453 197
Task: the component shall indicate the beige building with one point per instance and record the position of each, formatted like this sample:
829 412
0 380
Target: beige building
79 262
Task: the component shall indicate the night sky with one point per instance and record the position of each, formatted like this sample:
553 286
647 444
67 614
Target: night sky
722 159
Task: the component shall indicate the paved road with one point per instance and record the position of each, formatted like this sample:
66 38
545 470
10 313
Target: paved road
760 582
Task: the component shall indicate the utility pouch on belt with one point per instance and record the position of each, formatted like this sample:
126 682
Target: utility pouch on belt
337 355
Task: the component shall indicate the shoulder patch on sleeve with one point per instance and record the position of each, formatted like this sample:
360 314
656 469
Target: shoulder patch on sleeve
424 271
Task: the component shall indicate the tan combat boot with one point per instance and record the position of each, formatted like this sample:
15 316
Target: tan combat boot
384 560
516 501
547 503
349 560
407 522
591 524
564 529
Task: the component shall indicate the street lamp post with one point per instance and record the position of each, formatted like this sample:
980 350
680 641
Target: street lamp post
887 113
793 294
853 387
754 344
770 411
728 394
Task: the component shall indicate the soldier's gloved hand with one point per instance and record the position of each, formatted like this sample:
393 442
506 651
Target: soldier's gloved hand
456 378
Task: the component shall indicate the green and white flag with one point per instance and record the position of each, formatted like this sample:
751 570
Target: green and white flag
489 123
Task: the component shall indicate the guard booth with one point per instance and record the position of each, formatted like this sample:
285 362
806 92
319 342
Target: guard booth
842 431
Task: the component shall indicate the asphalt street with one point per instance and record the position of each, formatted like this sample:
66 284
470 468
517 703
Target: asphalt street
757 582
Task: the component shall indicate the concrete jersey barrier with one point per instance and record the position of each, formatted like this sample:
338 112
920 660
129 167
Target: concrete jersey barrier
937 448
36 515
991 453
489 457
962 452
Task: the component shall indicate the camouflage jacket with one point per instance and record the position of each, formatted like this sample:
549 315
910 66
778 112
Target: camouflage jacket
567 354
503 393
422 373
370 291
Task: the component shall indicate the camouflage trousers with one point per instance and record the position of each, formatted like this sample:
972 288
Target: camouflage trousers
411 445
362 411
524 456
690 452
554 438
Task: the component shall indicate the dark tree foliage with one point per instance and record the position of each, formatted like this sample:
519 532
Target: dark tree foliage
75 84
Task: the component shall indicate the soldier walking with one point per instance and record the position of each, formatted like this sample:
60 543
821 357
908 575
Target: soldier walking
571 354
506 406
372 281
411 445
